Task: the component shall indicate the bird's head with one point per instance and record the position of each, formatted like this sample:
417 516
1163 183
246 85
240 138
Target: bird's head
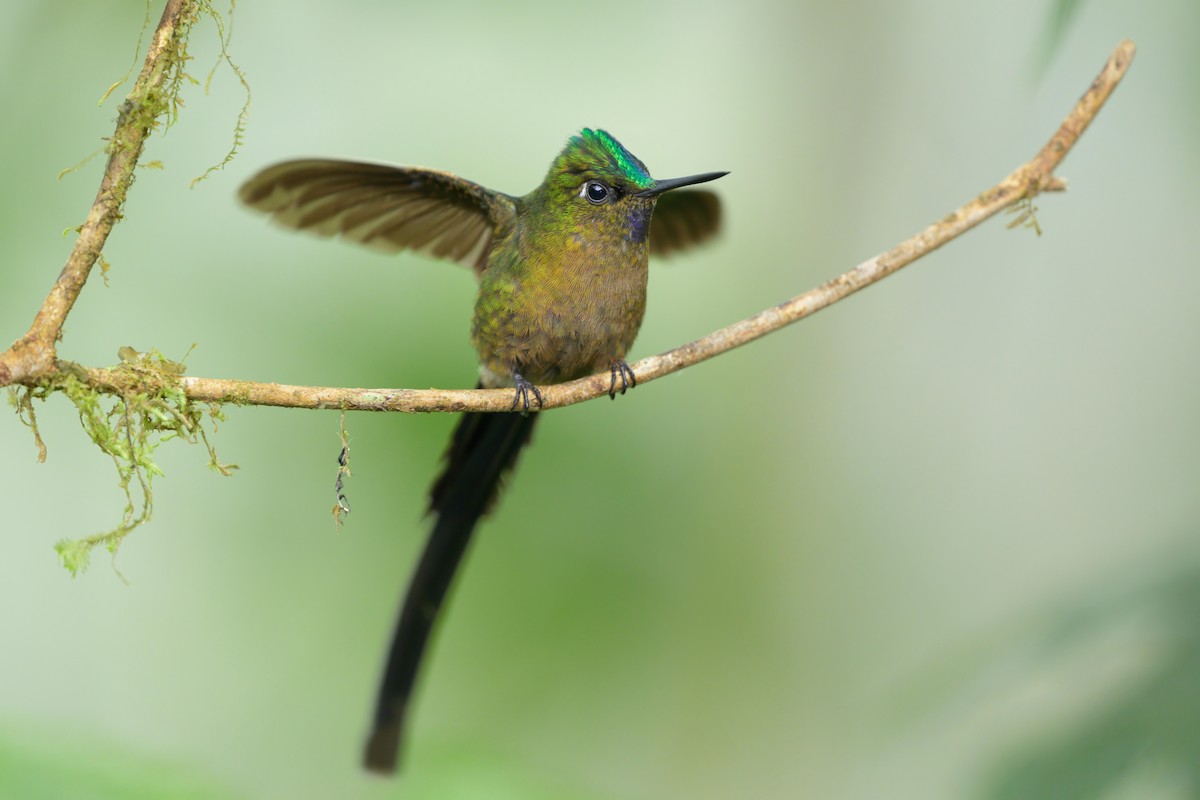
596 181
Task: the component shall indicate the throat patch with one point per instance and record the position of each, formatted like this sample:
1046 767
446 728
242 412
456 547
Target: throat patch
638 224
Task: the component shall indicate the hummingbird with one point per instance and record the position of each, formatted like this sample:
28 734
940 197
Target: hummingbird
562 277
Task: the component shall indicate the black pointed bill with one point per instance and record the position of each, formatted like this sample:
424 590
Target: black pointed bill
674 183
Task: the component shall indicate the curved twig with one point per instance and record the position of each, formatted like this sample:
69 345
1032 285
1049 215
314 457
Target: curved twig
1023 184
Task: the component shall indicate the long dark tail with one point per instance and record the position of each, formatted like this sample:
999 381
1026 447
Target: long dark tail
483 449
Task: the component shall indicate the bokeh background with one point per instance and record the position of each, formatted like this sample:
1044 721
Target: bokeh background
939 541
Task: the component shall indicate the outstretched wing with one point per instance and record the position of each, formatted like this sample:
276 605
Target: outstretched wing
682 219
384 207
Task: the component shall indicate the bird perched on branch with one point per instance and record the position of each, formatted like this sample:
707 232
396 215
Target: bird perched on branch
562 291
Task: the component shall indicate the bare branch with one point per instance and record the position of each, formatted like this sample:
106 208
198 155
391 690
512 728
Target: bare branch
1025 182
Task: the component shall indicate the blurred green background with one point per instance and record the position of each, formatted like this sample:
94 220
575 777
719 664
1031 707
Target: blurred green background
936 542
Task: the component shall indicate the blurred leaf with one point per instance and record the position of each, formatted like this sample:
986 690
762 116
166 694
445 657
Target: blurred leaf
39 767
1153 724
465 774
1060 16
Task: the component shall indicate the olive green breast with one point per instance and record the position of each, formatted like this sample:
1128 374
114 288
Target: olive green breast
557 303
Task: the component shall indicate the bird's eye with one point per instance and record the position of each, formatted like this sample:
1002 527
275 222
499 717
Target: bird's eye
596 192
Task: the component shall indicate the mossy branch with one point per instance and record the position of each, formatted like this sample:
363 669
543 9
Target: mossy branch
128 428
146 405
153 100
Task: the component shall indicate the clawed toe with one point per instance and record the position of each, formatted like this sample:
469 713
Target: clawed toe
620 368
521 398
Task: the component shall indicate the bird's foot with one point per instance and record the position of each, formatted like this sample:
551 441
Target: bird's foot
621 369
521 398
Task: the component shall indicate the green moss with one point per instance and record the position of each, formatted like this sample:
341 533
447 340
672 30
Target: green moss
142 405
128 427
1025 215
21 398
137 51
225 33
156 103
104 265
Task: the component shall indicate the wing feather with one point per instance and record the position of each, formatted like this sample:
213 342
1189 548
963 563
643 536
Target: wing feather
683 219
384 207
